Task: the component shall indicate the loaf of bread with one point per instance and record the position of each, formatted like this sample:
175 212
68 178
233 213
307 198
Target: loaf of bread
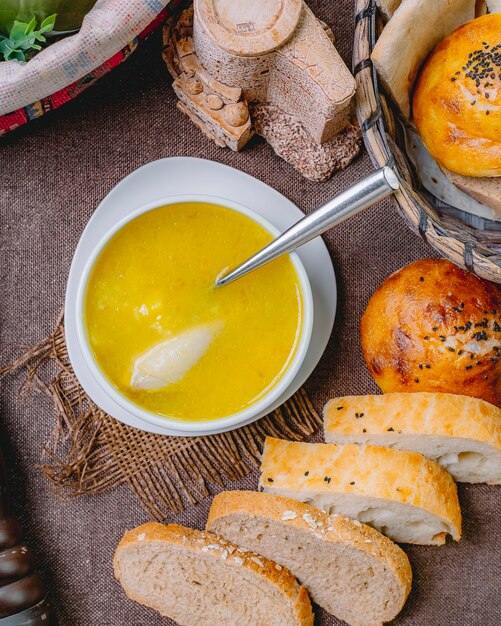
433 326
198 579
416 27
404 495
349 569
462 434
457 99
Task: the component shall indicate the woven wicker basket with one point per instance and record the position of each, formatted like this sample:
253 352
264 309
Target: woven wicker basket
479 250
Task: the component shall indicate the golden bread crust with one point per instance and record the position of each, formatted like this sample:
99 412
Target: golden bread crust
343 529
372 471
198 541
443 414
433 326
457 99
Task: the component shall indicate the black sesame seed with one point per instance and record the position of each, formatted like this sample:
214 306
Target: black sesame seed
307 473
451 349
434 329
428 367
468 367
421 278
270 480
416 380
391 430
364 430
352 482
480 336
340 407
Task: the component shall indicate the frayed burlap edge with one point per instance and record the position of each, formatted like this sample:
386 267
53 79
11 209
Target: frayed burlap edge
89 451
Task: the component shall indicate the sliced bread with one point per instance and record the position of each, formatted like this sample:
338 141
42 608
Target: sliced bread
462 434
349 569
485 190
197 579
404 495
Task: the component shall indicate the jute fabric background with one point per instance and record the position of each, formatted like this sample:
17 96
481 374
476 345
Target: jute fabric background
52 177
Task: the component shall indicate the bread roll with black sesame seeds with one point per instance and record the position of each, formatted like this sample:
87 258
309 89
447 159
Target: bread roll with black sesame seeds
433 326
457 99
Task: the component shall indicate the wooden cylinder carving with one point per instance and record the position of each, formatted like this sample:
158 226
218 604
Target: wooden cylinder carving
22 595
268 67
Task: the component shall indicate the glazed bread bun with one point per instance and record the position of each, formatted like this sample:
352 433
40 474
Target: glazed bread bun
457 99
433 326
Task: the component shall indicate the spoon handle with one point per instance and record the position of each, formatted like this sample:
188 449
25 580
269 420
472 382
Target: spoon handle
359 196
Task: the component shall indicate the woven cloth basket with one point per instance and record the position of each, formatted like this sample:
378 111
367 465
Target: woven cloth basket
477 250
110 33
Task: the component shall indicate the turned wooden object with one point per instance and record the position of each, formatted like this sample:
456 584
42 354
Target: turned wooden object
225 54
22 595
276 51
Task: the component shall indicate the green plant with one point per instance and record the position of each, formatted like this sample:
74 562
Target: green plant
24 38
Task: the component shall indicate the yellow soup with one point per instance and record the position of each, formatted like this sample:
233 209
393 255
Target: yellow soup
154 280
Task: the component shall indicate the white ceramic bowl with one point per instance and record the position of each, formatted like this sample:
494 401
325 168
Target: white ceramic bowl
76 309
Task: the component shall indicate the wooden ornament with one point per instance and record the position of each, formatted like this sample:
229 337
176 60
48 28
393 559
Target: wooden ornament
23 601
228 57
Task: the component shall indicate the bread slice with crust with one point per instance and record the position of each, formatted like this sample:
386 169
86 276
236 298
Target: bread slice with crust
197 579
404 495
487 191
349 569
460 433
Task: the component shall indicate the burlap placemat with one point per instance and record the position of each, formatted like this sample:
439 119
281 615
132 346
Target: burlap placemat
88 451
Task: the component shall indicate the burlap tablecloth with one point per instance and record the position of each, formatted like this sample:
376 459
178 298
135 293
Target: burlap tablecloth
52 176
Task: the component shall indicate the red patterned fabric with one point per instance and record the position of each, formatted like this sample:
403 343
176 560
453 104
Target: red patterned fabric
11 121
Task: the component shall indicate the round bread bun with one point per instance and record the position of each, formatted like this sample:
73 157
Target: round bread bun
457 99
433 326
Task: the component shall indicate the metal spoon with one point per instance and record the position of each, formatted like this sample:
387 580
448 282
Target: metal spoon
359 196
